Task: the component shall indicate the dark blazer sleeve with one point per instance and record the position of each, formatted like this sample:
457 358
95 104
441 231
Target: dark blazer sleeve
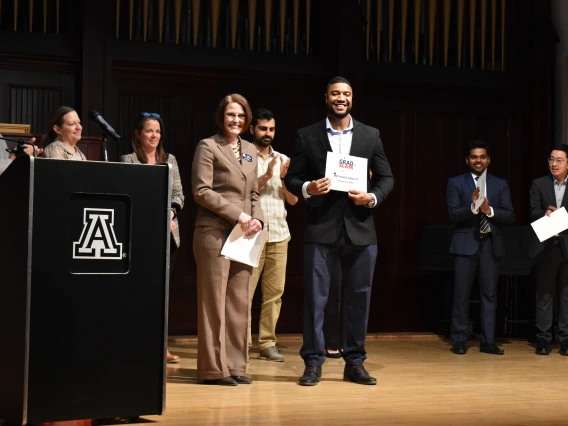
458 211
503 212
537 204
382 173
296 176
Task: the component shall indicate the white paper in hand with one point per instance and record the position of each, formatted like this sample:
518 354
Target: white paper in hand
243 249
482 184
548 226
346 172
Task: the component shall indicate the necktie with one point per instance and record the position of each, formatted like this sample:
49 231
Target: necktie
483 221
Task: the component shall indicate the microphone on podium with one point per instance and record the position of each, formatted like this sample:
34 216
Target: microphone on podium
101 122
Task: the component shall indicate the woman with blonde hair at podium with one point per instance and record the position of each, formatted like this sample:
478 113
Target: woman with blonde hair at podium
64 132
148 149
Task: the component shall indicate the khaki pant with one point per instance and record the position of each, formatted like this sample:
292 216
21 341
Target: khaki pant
272 268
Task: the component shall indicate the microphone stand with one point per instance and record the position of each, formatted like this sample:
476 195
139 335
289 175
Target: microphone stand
104 146
20 146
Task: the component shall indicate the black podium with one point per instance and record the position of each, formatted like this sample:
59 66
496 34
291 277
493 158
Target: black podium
83 289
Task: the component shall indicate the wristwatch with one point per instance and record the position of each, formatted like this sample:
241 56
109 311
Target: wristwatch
371 203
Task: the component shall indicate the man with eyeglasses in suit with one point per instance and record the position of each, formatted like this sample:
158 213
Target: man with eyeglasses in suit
548 194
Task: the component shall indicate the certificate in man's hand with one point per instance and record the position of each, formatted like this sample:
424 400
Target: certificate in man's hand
346 172
548 226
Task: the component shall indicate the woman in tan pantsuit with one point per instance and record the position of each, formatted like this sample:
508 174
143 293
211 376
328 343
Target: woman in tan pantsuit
224 184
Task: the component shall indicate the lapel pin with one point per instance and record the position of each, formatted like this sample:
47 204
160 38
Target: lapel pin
247 157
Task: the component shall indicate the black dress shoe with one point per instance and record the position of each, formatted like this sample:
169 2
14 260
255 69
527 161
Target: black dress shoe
225 381
542 348
358 374
311 376
491 348
242 380
459 348
563 349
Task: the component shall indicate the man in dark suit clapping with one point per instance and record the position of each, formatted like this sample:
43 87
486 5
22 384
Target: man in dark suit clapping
339 228
547 194
477 244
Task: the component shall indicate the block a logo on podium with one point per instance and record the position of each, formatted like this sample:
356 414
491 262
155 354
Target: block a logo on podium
99 233
98 239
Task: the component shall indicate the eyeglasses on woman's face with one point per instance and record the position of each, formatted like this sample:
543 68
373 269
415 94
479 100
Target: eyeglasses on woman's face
235 116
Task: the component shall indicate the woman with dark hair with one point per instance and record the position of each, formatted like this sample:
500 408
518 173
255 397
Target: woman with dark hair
224 184
64 132
148 149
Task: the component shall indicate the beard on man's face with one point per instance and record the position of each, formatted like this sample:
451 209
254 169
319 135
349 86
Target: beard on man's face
336 114
264 141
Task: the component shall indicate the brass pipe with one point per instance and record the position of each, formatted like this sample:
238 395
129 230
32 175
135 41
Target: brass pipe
379 25
391 27
404 18
215 12
483 26
177 6
282 24
493 30
195 19
267 21
503 10
161 6
296 24
308 15
145 17
252 22
117 17
460 10
447 15
431 28
234 16
417 6
471 32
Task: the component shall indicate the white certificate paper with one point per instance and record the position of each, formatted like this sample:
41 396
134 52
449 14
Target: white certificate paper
243 249
346 172
548 226
481 183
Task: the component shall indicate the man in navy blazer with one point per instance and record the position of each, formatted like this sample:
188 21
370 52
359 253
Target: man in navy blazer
548 194
477 244
339 228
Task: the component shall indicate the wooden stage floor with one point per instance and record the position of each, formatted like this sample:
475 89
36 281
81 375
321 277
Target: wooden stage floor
420 382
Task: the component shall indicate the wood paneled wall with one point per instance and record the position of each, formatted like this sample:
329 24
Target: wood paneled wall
426 116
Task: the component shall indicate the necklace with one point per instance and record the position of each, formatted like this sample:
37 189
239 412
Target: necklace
237 150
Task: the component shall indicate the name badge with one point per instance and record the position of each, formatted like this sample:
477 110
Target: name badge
247 157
